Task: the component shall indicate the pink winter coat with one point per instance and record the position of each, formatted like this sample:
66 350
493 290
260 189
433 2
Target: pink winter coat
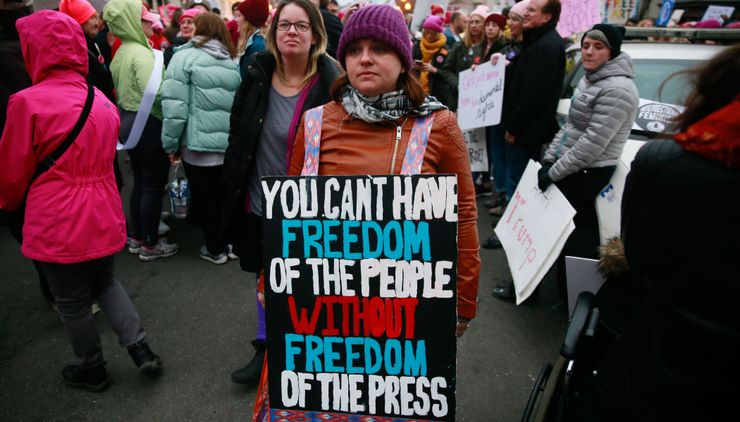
73 211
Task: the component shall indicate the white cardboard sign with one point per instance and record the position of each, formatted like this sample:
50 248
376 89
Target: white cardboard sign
475 140
481 93
533 231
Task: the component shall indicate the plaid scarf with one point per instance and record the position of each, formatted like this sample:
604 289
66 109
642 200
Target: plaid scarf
390 106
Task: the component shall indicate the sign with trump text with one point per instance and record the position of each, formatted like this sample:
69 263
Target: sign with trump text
360 286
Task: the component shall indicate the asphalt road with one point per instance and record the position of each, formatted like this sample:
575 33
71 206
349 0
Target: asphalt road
201 317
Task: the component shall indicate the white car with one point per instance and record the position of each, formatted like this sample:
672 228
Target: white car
661 96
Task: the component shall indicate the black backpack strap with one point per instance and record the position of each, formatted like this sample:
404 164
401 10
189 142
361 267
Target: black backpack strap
52 158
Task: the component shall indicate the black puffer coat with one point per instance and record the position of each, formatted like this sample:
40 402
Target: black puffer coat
247 117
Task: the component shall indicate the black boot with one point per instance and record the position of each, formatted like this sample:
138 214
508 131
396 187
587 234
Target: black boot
144 358
250 374
94 379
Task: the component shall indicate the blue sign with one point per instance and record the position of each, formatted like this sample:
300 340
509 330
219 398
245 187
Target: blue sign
666 10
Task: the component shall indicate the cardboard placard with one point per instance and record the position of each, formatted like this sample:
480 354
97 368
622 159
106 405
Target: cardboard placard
481 93
578 16
475 140
360 286
533 231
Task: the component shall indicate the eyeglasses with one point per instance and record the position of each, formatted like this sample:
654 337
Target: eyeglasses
284 26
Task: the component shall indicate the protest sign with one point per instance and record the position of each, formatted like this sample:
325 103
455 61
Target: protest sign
481 92
533 231
360 286
666 10
578 16
618 11
475 140
716 12
609 200
422 9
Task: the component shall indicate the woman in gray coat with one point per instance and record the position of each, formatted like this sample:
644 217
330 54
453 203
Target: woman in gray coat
581 158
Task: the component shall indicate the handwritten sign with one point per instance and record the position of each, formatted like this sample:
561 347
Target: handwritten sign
481 93
477 151
716 12
578 16
360 284
533 231
609 201
422 10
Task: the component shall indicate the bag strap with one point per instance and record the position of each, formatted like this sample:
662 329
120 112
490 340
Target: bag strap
312 139
51 159
297 118
417 145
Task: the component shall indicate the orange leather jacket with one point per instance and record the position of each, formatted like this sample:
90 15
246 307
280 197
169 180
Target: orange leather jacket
353 147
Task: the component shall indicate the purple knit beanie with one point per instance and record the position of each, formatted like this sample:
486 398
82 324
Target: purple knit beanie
379 22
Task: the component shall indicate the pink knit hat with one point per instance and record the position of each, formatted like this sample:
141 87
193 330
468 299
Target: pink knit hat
79 10
520 8
481 11
434 23
190 13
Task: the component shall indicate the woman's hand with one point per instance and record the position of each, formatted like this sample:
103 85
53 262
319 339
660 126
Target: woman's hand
173 158
509 138
427 67
462 325
495 57
261 298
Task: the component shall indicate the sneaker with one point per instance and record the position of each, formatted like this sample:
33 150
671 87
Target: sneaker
163 228
250 374
161 249
482 190
93 379
497 211
217 259
492 243
144 358
230 252
134 245
499 199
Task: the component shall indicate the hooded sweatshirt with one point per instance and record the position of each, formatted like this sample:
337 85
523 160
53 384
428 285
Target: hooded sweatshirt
73 210
133 63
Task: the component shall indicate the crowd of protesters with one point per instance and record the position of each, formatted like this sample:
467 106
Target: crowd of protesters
231 100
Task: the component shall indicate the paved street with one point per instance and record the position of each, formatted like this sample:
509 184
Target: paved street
201 317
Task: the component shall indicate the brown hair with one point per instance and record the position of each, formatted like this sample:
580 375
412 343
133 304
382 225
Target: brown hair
317 28
406 81
552 8
715 85
246 30
210 26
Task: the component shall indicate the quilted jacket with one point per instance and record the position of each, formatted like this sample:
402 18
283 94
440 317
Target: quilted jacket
197 95
601 115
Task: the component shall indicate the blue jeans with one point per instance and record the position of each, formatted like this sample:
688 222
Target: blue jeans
517 157
497 156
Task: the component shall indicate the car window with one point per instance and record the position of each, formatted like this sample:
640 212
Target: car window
649 74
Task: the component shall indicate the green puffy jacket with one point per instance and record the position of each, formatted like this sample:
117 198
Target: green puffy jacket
133 63
197 95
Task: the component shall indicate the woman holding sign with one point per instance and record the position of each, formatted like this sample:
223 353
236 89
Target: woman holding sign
377 108
583 155
279 84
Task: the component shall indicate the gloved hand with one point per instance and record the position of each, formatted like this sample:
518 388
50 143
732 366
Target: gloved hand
543 176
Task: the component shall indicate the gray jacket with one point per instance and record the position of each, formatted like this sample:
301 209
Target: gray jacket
601 115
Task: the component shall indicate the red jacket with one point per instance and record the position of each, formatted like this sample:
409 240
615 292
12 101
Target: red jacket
351 147
73 211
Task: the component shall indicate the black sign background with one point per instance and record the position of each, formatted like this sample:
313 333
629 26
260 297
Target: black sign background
435 317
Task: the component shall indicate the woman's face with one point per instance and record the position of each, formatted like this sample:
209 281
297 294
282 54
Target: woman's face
187 27
516 24
147 27
475 25
295 39
430 36
594 54
492 31
373 67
